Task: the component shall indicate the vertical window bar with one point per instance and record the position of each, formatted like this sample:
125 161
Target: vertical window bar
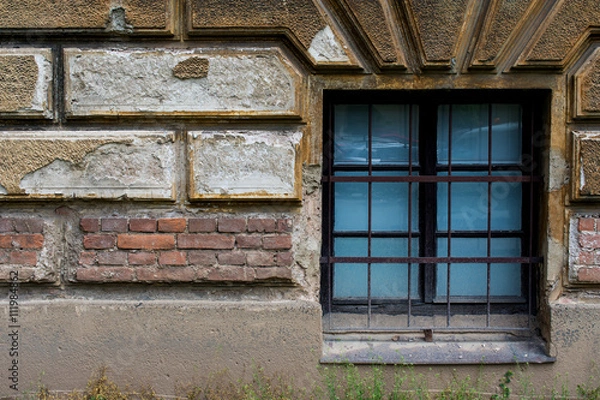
369 211
489 220
450 111
531 221
410 171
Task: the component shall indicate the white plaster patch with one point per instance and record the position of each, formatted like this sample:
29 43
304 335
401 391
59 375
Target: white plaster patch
135 81
559 171
244 164
326 48
138 165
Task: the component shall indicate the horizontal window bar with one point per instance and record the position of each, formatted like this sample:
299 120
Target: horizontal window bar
432 260
433 178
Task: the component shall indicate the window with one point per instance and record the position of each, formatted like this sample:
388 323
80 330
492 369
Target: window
431 210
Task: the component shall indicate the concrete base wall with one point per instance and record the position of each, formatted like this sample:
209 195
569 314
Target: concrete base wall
165 344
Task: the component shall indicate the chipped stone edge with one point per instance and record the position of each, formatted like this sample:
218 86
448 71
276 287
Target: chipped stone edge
195 196
42 105
113 135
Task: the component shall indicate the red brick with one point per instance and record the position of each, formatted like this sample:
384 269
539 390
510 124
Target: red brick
29 225
105 274
232 225
587 224
23 257
248 241
589 275
6 225
147 225
202 257
260 259
4 256
262 225
142 258
185 274
87 258
277 273
112 258
284 225
231 274
139 241
99 241
89 224
171 225
22 241
586 257
197 225
285 259
232 258
277 242
205 241
172 258
589 240
114 224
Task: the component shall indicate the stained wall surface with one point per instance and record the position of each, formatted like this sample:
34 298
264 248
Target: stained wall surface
160 172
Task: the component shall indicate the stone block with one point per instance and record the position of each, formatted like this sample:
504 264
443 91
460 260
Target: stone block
88 164
587 88
237 83
25 83
585 174
248 165
98 16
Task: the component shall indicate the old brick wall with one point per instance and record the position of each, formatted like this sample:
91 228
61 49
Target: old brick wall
160 168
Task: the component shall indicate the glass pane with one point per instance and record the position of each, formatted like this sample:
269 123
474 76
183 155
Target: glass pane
391 137
469 133
506 134
351 135
470 279
393 247
390 205
470 204
390 281
350 247
350 281
351 206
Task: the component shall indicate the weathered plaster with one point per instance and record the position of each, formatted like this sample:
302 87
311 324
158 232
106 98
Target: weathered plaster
84 14
301 17
563 29
587 87
252 164
586 171
372 19
89 164
25 87
439 23
505 15
110 82
326 48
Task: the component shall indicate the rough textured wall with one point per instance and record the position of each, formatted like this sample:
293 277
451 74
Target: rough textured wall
161 169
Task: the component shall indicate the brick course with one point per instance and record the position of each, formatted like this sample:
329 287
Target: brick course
585 257
184 250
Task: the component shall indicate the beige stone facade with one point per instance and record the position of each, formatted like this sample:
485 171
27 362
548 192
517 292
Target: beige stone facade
161 193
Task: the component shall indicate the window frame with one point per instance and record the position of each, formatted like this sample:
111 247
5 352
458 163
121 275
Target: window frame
533 103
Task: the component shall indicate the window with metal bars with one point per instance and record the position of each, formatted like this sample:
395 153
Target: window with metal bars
431 209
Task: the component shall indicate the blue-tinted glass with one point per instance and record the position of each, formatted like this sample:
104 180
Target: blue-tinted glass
391 281
351 247
469 133
351 135
470 203
351 206
506 134
470 279
391 136
390 205
350 280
